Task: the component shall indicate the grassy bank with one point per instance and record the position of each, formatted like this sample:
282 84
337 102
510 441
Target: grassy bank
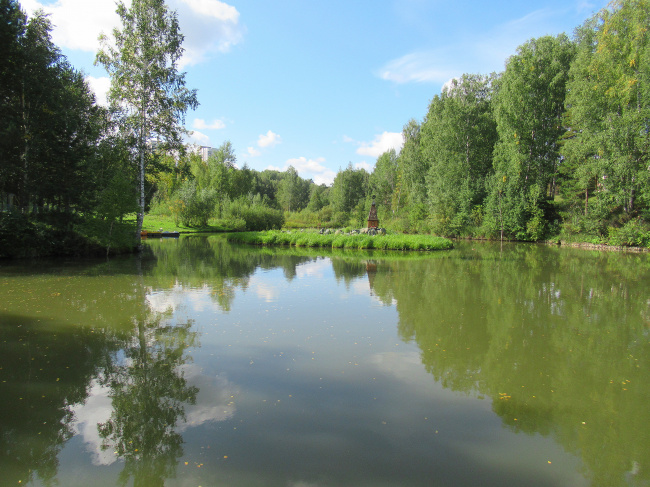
315 239
155 223
61 235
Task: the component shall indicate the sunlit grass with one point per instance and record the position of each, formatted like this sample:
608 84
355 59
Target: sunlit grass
166 223
313 239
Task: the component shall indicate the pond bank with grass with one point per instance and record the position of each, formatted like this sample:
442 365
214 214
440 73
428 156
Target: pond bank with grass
343 241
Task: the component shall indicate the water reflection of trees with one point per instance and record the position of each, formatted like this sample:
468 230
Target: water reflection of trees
69 333
558 339
213 263
149 394
45 367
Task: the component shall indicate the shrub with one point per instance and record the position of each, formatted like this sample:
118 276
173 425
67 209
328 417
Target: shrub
193 207
257 216
633 233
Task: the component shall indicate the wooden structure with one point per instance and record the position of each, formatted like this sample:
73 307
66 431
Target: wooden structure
373 221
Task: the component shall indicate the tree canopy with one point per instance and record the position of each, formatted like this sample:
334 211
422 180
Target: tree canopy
148 95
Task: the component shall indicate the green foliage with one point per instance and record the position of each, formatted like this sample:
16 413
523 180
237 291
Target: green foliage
528 108
148 96
193 207
318 197
50 124
383 181
349 188
634 233
458 139
413 165
256 215
609 107
22 236
293 191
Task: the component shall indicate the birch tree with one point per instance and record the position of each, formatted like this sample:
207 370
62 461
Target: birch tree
608 104
458 138
148 96
529 108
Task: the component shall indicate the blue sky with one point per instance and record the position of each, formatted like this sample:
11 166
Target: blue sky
318 85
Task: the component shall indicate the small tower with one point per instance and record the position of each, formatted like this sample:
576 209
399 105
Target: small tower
373 221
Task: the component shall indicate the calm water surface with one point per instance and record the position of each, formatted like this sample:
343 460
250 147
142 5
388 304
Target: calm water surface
217 365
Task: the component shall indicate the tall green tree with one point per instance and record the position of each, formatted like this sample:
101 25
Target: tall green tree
384 181
608 105
293 191
50 123
413 167
12 30
215 176
349 188
148 94
318 197
458 140
529 108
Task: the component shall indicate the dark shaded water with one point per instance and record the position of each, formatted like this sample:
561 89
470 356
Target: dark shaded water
213 364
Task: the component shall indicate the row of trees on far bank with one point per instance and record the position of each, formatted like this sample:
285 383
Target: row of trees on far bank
51 147
64 158
556 144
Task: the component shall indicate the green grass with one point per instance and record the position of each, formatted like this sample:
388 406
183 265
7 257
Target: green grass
313 239
154 223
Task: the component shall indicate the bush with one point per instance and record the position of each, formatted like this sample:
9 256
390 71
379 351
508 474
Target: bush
634 233
257 217
193 207
340 219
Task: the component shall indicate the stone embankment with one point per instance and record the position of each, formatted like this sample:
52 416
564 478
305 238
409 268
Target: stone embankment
613 248
361 231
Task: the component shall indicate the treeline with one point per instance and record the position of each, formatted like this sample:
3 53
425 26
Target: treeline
60 156
556 145
196 191
57 146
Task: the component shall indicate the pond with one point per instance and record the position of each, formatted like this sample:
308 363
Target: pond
211 364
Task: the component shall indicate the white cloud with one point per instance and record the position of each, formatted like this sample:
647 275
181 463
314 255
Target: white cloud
266 292
253 152
77 23
382 143
268 139
208 25
316 269
313 169
309 169
363 165
215 400
100 87
196 137
213 8
200 124
418 67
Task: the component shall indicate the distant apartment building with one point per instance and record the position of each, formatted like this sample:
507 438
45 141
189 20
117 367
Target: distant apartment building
205 152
